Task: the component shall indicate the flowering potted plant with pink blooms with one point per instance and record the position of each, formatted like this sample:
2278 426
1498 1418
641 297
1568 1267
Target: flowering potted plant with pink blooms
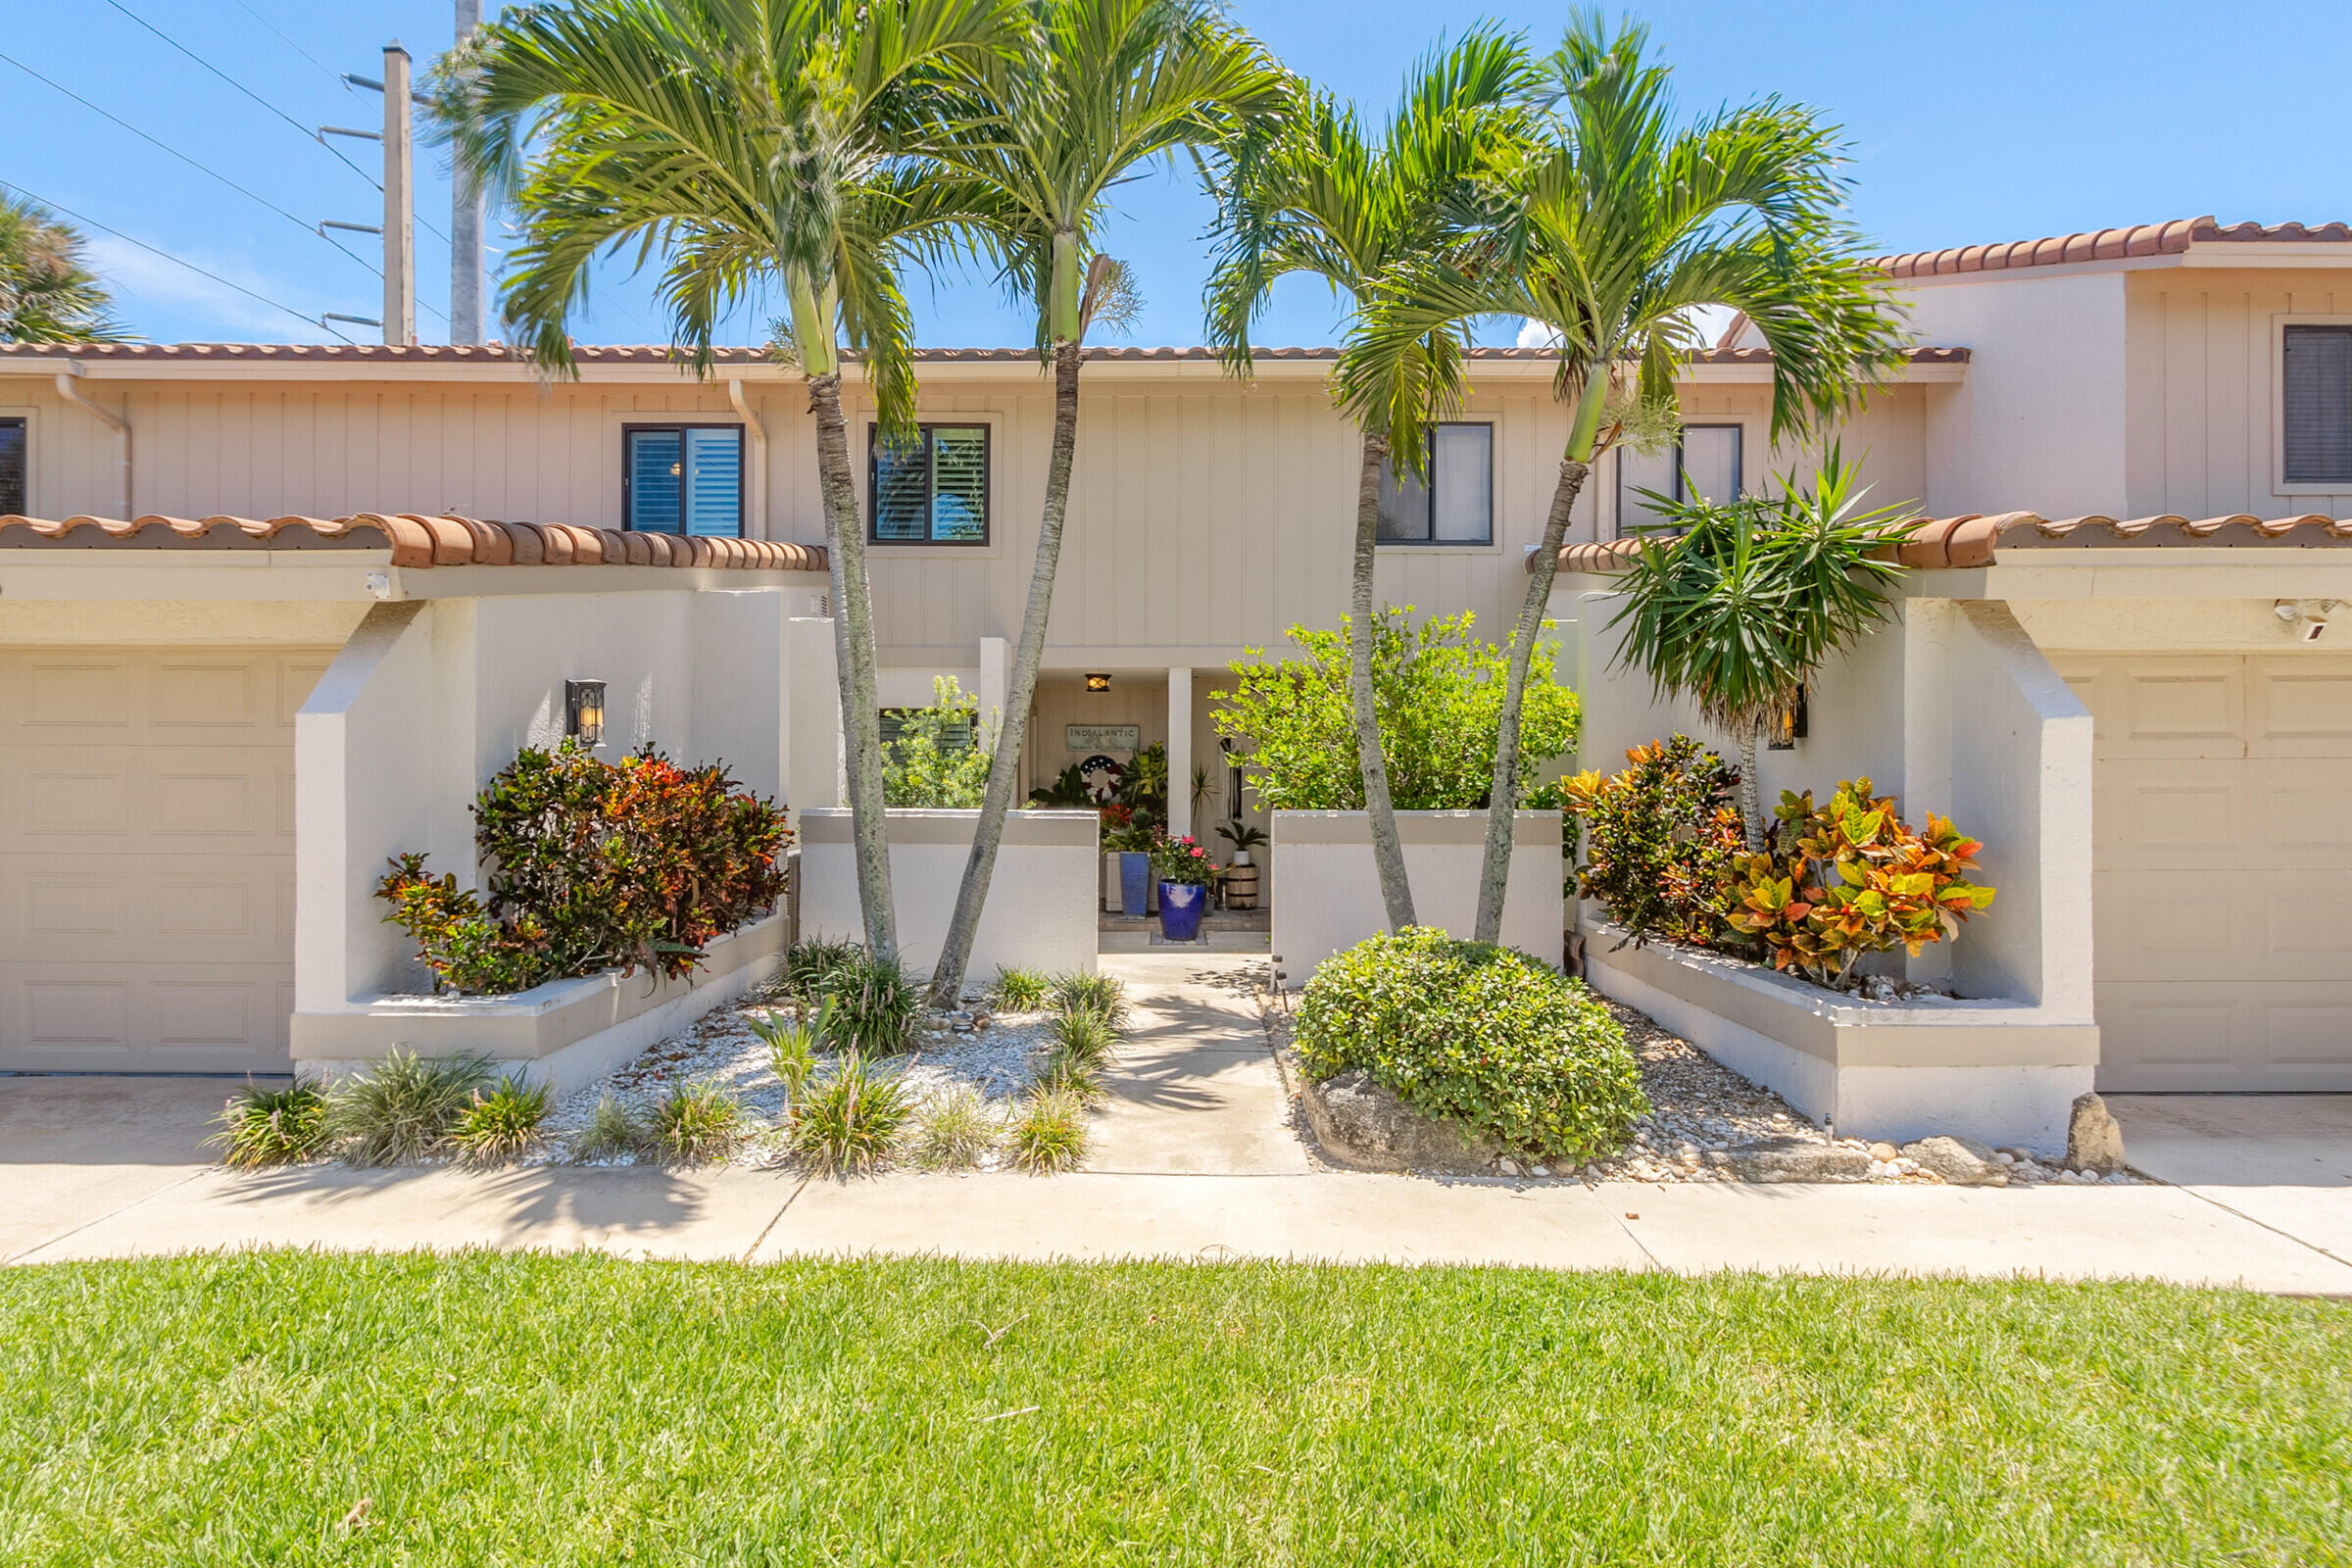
1185 872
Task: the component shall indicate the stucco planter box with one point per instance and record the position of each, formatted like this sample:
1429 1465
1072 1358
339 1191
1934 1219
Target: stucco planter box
1041 910
566 1032
1331 890
2000 1070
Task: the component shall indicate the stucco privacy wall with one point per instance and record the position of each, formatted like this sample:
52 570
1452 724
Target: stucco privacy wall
1040 912
1332 900
429 699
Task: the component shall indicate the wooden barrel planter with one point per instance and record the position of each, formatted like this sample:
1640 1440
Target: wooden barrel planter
1240 887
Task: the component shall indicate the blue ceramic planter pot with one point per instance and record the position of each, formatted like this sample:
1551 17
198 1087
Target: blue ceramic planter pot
1134 882
1181 905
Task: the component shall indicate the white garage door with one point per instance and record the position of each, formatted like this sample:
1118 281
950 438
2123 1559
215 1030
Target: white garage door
147 857
2223 868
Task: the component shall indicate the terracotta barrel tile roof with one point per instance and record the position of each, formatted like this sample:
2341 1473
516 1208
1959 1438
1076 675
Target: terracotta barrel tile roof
2101 245
421 542
1973 540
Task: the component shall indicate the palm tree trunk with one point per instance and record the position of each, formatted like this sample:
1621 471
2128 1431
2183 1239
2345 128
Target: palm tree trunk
1494 875
1387 850
1003 770
1752 794
853 649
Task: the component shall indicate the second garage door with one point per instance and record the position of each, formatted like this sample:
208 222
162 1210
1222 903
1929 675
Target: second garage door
147 857
2223 868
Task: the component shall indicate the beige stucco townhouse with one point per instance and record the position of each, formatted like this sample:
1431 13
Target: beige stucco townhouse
255 633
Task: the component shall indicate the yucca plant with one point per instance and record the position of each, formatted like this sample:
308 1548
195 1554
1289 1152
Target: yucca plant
955 1130
1737 604
612 1131
503 1123
1020 990
852 1120
792 1046
404 1108
1099 994
870 1004
1049 1134
265 1125
698 1120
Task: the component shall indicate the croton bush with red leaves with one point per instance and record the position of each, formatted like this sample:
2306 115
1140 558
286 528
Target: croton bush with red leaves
593 865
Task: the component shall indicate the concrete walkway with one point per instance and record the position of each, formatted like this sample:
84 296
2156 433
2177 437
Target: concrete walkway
1194 1157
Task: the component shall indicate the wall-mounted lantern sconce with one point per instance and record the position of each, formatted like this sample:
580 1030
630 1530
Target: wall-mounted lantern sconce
584 711
1098 682
1789 727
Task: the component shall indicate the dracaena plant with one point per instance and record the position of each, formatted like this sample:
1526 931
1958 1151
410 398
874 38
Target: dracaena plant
1853 878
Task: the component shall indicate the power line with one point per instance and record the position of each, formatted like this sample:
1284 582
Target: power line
155 142
275 305
331 74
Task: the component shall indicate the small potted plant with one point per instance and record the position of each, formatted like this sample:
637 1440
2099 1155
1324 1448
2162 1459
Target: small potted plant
1243 837
1184 871
1131 843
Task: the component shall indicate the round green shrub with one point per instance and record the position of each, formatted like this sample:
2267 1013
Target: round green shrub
1479 1035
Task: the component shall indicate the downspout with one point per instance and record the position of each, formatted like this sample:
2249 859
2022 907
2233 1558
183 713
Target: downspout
755 495
67 389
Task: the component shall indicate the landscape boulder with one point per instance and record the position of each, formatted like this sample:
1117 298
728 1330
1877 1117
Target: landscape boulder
1960 1162
2093 1142
1362 1124
1791 1159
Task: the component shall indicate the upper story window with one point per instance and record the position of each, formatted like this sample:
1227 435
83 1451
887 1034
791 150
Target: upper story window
12 466
683 478
1456 505
931 489
2317 405
1703 464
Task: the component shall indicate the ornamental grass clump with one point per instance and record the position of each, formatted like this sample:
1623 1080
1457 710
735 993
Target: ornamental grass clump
405 1108
851 1121
954 1131
1049 1134
792 1046
262 1125
871 1004
696 1121
1485 1036
613 1132
503 1123
1020 990
1853 878
1099 994
808 961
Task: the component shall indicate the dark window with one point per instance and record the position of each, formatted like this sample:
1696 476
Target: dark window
1703 462
931 489
683 478
12 466
2318 364
1457 506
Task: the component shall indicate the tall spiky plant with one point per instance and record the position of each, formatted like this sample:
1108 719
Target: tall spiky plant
1312 194
764 149
1032 145
1738 602
1617 230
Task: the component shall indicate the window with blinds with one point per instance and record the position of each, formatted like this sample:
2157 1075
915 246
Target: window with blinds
12 464
2317 405
1703 464
932 488
1455 505
683 478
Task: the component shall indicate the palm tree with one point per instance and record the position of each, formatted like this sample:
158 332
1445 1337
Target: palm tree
1619 229
1032 146
1743 601
1313 195
757 145
47 292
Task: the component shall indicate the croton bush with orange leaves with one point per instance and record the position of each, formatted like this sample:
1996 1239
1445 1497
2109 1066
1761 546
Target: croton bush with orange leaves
593 865
1853 878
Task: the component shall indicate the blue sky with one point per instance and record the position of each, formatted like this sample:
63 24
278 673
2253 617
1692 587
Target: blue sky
1968 123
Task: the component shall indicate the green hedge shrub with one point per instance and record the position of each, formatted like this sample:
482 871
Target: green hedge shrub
1480 1034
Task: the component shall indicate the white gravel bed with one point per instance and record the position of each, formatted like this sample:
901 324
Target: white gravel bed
996 1056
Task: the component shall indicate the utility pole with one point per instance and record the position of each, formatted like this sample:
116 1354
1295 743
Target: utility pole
465 226
399 206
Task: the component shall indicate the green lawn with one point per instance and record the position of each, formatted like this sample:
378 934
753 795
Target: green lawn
535 1410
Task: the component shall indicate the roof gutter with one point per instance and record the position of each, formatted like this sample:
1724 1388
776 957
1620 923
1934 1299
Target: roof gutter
71 393
755 493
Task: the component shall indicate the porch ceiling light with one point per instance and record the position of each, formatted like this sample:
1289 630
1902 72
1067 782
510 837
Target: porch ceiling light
1097 681
584 711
